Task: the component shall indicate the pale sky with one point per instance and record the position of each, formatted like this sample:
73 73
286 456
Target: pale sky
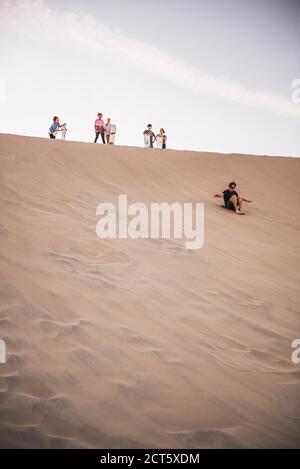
216 74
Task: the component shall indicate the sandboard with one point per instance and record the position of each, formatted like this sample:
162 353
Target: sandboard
146 140
112 138
63 131
159 142
228 210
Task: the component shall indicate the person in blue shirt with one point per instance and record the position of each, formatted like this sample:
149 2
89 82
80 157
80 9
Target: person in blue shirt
232 200
55 127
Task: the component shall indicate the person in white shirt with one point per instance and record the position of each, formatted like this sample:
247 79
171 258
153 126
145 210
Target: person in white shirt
161 140
110 132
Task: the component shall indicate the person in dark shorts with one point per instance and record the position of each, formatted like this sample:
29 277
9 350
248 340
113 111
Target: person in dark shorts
232 200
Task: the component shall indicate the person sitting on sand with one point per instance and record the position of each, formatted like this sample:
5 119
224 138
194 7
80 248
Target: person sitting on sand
99 128
149 137
232 200
56 127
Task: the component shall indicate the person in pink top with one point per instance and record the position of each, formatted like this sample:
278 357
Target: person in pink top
99 128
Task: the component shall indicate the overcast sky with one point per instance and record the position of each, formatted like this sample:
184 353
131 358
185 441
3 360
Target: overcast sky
216 74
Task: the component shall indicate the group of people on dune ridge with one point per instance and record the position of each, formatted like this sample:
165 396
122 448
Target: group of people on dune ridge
150 138
232 200
108 132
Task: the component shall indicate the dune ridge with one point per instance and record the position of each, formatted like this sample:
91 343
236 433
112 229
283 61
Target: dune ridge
141 343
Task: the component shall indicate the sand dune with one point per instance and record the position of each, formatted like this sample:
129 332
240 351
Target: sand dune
142 343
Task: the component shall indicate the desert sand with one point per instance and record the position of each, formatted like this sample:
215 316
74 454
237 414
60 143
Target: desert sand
142 343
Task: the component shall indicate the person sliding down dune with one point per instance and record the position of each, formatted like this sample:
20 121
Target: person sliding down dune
232 200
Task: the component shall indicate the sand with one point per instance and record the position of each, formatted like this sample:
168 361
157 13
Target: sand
142 343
